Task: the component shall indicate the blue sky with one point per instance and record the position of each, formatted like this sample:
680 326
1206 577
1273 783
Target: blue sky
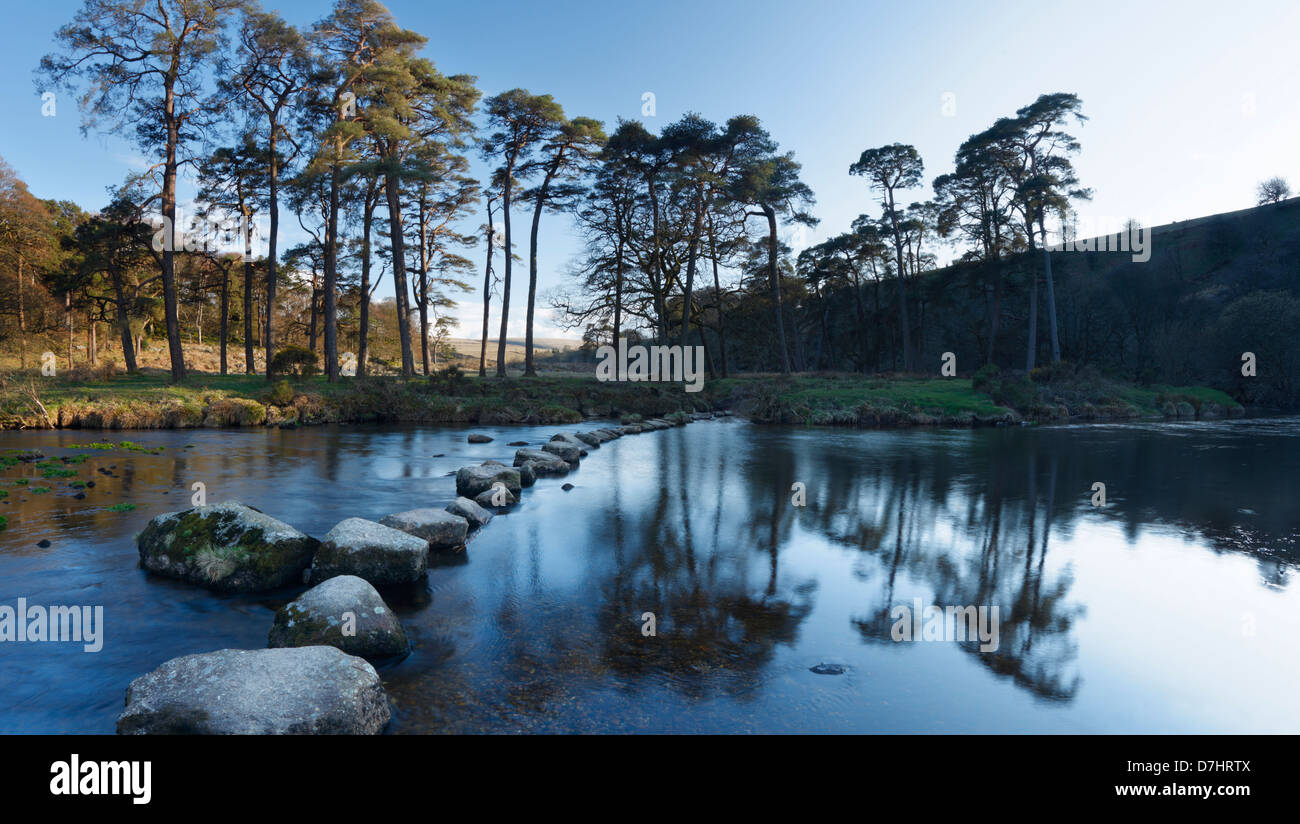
1191 104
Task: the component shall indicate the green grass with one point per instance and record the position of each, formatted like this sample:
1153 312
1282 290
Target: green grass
150 400
1152 398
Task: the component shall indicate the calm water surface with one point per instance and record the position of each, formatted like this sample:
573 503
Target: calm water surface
1172 609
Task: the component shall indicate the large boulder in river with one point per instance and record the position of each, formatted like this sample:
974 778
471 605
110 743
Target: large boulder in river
478 437
380 554
544 464
528 475
443 530
343 612
581 440
475 515
471 480
228 547
567 452
289 691
498 498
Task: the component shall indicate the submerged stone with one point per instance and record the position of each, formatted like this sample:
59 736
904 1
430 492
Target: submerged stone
829 669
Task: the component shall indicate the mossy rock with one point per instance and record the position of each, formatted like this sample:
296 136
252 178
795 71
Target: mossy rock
228 547
344 612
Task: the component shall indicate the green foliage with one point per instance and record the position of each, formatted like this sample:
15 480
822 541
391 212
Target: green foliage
294 360
279 394
984 377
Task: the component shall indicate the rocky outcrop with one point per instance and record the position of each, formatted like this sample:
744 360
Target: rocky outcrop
228 547
475 515
378 553
344 612
472 480
289 691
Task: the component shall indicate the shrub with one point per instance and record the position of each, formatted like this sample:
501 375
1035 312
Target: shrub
280 394
984 377
451 379
1015 391
294 360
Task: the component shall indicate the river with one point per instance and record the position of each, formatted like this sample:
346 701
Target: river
1173 608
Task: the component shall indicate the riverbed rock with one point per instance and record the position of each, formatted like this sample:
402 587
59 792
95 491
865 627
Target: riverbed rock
655 424
570 439
528 475
471 480
475 515
287 691
608 434
380 554
517 443
589 438
568 452
477 437
630 429
443 530
227 547
490 499
543 464
344 612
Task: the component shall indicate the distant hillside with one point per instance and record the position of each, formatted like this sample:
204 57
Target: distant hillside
1213 288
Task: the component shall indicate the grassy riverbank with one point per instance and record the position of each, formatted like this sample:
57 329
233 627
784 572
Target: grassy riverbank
149 401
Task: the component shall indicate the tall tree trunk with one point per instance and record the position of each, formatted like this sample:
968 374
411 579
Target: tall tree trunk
250 358
331 278
268 326
692 252
315 301
22 319
656 262
363 335
1032 349
997 309
123 321
505 281
1051 298
422 288
225 314
529 368
904 323
67 321
399 271
717 295
487 293
168 255
775 283
618 302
